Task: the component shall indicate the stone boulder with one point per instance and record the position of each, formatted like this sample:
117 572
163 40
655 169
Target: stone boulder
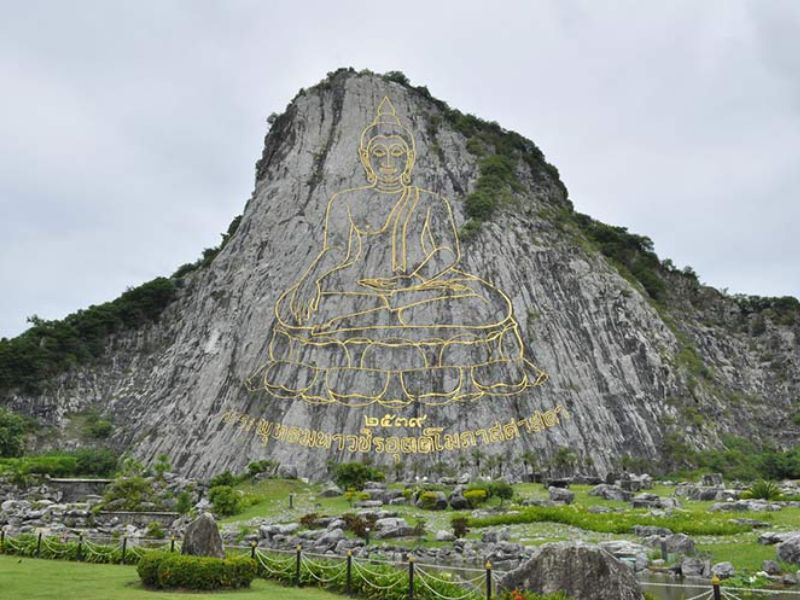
789 550
695 567
202 538
445 536
771 567
723 570
776 537
331 491
287 472
559 494
458 502
560 482
649 530
392 527
577 569
630 553
438 501
677 543
610 492
712 480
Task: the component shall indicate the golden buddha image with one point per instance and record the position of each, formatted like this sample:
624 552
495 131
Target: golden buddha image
383 315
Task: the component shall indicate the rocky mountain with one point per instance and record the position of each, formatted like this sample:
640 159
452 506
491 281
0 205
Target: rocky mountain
642 360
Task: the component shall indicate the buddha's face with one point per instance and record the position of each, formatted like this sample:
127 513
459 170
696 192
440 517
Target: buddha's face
388 158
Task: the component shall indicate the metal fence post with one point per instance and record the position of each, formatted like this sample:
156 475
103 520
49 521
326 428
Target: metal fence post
253 550
124 548
715 587
39 545
80 547
410 577
297 565
488 580
172 544
348 585
2 541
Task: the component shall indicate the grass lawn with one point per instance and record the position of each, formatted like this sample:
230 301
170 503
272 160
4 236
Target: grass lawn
61 580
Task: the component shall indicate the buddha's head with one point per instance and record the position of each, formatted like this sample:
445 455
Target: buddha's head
387 149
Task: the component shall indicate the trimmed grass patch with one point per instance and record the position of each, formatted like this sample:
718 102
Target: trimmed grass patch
57 580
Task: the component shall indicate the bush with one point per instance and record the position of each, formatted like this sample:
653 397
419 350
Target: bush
475 497
428 499
459 525
98 428
128 493
85 462
184 502
224 478
58 549
258 467
225 500
763 490
309 520
355 475
168 570
154 530
100 462
148 568
502 490
12 433
358 523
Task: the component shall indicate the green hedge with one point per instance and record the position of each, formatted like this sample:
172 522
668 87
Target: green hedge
688 523
90 462
51 548
169 570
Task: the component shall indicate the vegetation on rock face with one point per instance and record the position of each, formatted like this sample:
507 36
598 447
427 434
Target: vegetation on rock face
739 458
209 253
51 347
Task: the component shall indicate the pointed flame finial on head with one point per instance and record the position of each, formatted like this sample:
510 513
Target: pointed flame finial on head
386 112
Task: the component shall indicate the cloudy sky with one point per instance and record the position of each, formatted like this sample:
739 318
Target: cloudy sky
129 130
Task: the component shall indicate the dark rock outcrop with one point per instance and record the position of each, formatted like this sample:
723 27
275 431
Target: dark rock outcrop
202 538
580 570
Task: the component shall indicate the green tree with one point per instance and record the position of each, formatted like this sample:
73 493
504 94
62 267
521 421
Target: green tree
355 475
12 434
564 460
225 500
161 466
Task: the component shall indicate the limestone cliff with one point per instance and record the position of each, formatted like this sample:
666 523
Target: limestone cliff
636 367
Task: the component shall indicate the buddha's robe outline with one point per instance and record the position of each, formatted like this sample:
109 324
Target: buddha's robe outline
361 343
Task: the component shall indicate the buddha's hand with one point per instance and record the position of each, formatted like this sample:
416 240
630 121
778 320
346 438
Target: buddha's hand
398 282
305 301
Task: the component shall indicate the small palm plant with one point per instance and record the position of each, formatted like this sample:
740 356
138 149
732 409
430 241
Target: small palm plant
763 490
